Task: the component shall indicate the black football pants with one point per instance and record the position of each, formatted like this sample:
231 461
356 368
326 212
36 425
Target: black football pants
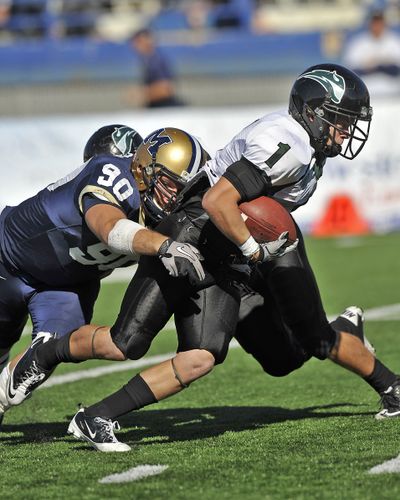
284 324
205 319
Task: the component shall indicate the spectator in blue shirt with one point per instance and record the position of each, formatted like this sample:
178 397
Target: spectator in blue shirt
158 77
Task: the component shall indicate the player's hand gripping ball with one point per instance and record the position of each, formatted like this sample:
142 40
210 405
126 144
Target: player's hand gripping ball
267 219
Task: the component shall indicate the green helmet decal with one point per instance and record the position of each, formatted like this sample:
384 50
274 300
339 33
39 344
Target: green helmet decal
123 140
333 83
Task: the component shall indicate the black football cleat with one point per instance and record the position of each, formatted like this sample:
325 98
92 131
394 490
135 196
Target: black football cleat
27 374
390 402
97 431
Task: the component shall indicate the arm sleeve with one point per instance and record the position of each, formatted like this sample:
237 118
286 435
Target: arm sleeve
249 180
89 200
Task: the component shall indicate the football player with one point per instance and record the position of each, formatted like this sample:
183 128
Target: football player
280 155
56 246
19 299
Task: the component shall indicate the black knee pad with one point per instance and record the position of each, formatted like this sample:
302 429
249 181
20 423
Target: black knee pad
321 341
285 362
133 344
282 370
219 350
138 345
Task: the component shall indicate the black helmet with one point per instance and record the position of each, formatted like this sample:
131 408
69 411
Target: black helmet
329 95
116 139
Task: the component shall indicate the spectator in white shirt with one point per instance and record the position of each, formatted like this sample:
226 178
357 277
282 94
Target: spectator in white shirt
375 55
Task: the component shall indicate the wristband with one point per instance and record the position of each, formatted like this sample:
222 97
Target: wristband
249 247
120 238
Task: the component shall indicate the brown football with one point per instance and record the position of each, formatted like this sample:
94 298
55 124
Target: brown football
266 219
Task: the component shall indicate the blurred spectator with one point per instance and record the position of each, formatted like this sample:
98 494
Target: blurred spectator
26 18
375 55
4 11
158 84
197 12
79 17
232 14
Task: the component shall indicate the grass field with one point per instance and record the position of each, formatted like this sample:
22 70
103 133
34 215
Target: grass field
238 433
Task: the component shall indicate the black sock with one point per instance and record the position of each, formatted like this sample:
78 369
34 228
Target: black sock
133 396
54 352
381 377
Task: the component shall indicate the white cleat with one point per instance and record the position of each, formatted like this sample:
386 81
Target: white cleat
4 405
97 431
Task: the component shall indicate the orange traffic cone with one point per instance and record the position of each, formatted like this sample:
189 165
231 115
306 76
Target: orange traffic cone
340 218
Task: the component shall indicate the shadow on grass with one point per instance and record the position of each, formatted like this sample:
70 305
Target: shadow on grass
181 424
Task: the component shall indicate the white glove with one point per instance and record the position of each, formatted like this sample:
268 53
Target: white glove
182 259
276 248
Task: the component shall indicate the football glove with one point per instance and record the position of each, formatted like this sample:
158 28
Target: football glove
182 259
276 248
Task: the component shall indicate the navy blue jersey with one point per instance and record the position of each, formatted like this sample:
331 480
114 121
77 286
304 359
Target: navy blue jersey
45 239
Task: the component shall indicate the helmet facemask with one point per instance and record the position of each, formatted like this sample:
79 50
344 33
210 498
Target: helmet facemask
162 188
328 121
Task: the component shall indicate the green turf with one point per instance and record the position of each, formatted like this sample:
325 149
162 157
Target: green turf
237 433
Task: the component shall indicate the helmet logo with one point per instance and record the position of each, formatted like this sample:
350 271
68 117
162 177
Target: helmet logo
333 83
156 140
123 140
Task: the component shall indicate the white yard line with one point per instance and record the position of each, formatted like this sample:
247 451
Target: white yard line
138 472
390 466
384 313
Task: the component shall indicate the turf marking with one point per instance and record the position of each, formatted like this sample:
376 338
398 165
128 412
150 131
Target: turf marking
384 313
138 472
390 466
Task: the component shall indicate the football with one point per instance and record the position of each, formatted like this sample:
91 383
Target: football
266 219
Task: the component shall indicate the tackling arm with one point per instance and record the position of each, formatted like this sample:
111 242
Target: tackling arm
124 236
110 225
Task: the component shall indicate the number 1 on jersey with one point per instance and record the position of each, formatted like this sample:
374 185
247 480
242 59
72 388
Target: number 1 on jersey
275 157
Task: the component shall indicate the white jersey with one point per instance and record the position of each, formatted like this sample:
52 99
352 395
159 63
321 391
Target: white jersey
279 146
